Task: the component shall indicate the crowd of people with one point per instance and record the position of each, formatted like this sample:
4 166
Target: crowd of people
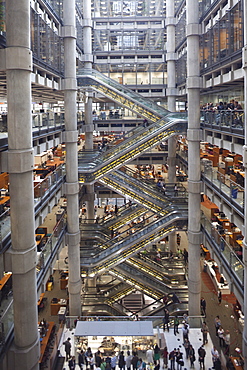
98 361
229 113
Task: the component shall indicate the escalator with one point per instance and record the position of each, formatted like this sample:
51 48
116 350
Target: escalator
123 216
124 183
139 285
121 248
93 166
166 273
151 279
135 143
120 94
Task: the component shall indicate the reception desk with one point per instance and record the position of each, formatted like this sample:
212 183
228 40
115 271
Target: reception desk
224 288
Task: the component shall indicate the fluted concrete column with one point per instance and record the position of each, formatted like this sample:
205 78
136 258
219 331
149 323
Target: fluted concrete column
89 127
193 135
25 351
171 83
244 58
171 98
70 138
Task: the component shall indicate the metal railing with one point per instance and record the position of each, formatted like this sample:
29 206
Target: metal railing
41 191
224 183
224 118
225 250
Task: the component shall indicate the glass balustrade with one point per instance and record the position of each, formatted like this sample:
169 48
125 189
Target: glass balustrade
41 191
224 183
225 119
130 245
132 146
151 185
49 252
50 248
42 121
225 250
96 79
45 186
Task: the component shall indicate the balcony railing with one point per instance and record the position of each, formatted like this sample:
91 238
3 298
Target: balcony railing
223 182
41 121
41 191
226 119
225 250
45 257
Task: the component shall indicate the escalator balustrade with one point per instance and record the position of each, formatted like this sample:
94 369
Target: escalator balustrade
117 251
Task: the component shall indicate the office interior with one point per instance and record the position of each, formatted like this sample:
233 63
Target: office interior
122 130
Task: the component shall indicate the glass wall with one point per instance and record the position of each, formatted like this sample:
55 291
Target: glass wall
128 8
45 42
223 39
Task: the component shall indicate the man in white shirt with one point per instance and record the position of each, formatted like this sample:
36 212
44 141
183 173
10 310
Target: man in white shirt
150 356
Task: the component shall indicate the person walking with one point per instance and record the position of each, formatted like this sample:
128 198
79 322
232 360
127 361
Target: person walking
156 353
71 363
220 333
179 359
192 355
215 356
67 348
128 360
98 359
165 357
217 324
227 342
113 361
88 354
185 331
121 361
203 306
219 297
172 357
175 190
186 345
201 356
81 359
150 356
176 323
204 331
134 361
166 320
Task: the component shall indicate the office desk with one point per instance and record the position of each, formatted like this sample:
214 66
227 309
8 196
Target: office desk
236 363
64 283
40 299
226 224
224 288
45 340
5 285
206 253
4 200
55 307
39 241
41 302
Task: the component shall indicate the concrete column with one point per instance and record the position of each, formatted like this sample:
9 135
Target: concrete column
25 350
173 242
70 138
244 58
89 127
171 98
194 175
171 83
